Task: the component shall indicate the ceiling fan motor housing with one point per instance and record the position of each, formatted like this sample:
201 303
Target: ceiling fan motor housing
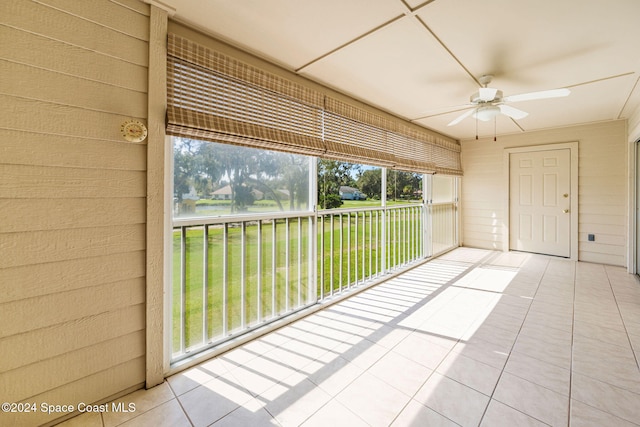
477 99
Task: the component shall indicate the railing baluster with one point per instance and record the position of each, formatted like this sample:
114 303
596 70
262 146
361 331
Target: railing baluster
321 219
412 232
299 261
349 251
287 239
370 246
225 279
274 267
259 278
312 279
341 245
364 246
405 244
416 232
243 275
183 288
355 242
383 242
205 284
395 238
331 216
378 245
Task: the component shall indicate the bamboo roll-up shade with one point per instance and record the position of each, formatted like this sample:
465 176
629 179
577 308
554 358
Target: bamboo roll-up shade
215 97
211 97
411 155
358 114
446 157
355 142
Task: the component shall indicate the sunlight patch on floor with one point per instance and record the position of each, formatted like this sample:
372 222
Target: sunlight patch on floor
488 279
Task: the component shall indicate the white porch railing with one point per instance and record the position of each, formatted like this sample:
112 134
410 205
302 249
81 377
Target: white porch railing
234 274
231 275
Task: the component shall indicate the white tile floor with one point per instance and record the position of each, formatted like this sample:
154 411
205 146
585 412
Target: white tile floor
472 338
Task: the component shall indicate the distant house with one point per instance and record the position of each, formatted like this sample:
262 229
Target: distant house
350 193
224 193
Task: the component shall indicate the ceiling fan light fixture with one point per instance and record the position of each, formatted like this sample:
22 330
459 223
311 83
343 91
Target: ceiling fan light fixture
486 113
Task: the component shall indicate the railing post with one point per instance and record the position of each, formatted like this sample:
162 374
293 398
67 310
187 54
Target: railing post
383 228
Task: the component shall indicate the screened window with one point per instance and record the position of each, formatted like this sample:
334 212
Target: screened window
348 185
212 179
443 189
403 187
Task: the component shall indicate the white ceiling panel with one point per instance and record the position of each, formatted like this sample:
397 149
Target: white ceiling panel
538 45
394 69
289 32
420 58
593 102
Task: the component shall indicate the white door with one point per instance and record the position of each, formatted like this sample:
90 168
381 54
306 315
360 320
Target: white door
539 202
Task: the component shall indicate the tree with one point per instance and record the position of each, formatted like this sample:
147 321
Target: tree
332 174
184 165
402 185
370 183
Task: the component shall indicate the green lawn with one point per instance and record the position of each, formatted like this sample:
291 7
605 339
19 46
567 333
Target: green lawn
285 279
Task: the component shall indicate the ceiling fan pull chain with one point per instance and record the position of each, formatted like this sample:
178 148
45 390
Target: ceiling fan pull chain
476 128
495 129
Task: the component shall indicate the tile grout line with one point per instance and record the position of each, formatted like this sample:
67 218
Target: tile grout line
573 331
624 324
512 346
175 396
475 265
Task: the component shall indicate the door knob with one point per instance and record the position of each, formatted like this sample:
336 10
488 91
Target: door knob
565 210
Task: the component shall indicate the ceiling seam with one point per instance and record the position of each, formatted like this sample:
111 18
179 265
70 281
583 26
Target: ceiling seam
417 8
602 79
424 24
350 42
635 86
517 124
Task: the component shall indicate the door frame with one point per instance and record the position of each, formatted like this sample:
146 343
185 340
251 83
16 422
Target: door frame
573 154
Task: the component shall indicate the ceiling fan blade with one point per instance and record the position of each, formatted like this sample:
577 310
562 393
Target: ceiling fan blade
444 110
543 94
487 93
461 117
514 113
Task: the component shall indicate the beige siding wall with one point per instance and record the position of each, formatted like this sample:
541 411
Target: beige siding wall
72 201
602 188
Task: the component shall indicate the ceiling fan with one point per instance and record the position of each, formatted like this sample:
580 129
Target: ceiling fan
489 102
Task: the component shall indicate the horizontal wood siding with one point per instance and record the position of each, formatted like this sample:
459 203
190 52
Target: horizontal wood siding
72 202
602 188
